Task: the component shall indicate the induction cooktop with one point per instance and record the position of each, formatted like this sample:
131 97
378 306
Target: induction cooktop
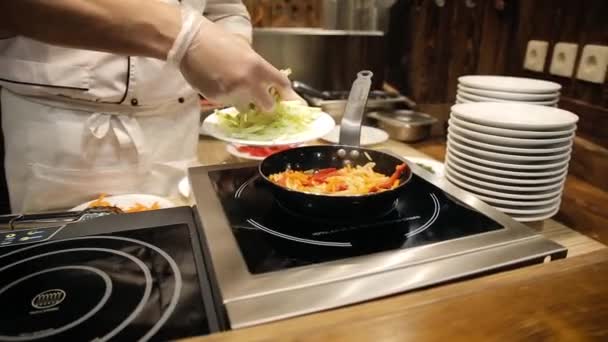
133 277
272 263
272 238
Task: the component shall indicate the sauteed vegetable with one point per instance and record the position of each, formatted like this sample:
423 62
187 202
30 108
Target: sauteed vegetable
137 207
349 180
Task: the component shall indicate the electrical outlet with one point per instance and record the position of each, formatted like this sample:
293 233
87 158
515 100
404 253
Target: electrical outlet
593 64
563 59
535 55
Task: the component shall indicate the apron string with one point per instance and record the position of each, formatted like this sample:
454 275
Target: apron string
126 129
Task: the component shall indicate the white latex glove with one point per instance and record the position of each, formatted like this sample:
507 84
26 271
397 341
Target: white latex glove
223 67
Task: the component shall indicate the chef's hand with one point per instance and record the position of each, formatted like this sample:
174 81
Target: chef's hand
224 68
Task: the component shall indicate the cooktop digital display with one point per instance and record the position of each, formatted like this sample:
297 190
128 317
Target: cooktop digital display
272 238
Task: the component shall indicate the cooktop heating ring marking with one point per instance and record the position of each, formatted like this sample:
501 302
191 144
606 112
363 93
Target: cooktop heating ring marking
432 220
174 268
425 226
142 266
94 310
293 238
241 188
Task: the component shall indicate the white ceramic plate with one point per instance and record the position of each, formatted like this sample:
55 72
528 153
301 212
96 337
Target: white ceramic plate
369 136
510 84
124 202
511 166
435 165
318 128
531 218
506 180
496 201
495 156
510 133
509 95
460 99
503 194
499 187
477 98
538 210
501 172
515 150
516 116
184 187
512 142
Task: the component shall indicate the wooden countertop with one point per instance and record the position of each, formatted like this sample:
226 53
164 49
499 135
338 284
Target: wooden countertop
566 300
561 300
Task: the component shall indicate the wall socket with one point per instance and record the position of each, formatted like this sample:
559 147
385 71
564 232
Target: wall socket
535 55
593 64
563 59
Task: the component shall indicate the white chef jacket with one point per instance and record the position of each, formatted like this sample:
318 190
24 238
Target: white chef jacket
78 123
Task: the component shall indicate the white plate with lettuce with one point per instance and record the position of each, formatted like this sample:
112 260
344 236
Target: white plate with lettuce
291 122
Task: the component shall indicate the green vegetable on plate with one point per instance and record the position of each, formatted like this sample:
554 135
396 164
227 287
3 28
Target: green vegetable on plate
288 118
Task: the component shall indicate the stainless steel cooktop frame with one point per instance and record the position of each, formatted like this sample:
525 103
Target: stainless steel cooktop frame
257 298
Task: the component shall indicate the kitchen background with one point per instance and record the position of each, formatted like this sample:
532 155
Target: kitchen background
428 44
425 45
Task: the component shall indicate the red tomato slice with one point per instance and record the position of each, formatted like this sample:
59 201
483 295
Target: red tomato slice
262 151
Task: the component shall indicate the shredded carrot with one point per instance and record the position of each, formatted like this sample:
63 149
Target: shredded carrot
140 207
137 207
100 202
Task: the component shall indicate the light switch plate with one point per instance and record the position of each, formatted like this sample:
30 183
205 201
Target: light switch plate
563 59
593 64
535 55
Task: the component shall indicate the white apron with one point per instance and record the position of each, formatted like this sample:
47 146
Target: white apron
60 154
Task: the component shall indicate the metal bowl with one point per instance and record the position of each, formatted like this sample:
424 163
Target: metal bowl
404 125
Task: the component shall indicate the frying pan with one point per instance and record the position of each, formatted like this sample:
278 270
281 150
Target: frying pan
337 156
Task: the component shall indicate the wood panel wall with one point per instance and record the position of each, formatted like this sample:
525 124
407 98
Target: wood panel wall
443 43
285 13
491 37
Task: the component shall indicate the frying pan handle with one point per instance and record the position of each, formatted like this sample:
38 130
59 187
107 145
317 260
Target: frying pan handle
350 127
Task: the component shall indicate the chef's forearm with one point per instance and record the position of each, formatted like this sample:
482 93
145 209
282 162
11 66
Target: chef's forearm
130 27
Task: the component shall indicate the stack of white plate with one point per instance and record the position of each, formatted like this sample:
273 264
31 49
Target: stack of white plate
513 156
484 88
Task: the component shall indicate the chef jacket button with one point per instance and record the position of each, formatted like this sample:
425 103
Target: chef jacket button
180 100
134 102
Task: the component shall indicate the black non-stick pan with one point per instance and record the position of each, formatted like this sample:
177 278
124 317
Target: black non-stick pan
337 156
334 156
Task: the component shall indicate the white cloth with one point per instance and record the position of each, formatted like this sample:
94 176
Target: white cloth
78 123
57 158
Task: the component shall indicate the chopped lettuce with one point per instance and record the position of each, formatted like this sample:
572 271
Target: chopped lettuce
288 118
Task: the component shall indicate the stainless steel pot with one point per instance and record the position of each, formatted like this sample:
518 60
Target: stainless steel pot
404 125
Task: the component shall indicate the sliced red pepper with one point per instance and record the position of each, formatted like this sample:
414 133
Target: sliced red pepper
321 175
399 169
